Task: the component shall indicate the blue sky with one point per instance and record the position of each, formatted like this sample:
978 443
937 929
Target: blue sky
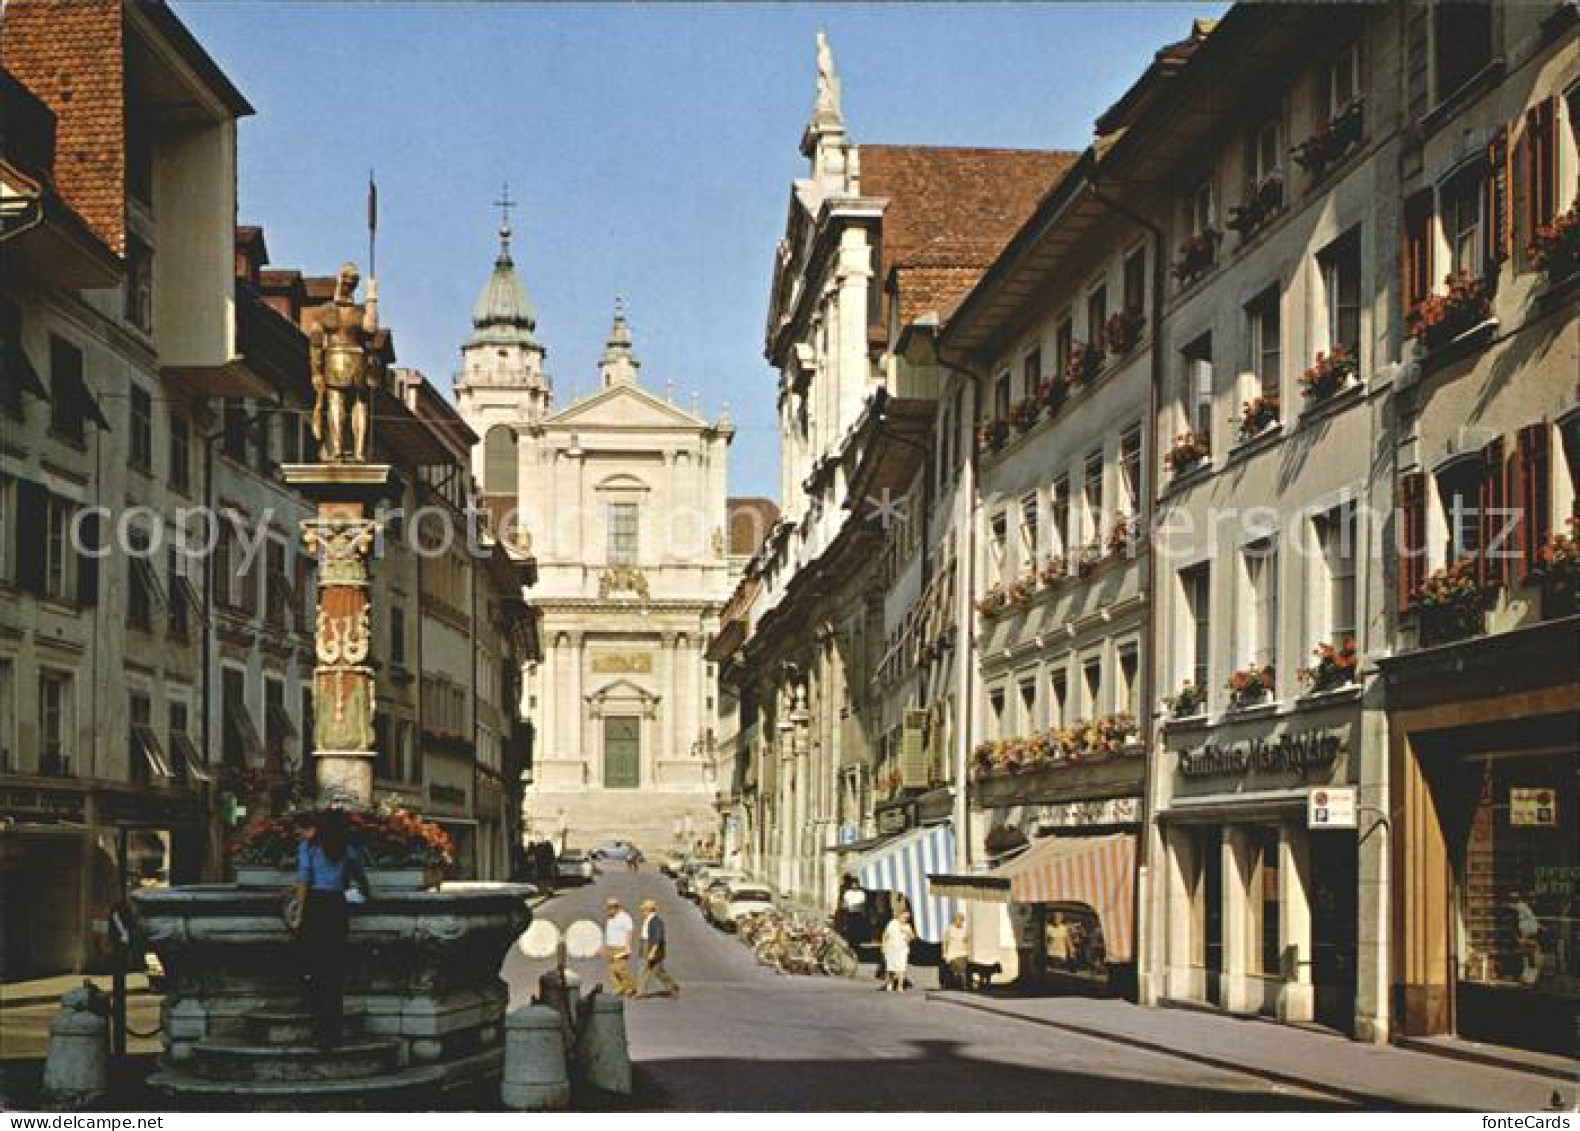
650 149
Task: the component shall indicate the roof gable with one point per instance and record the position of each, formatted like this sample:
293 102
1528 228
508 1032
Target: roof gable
625 406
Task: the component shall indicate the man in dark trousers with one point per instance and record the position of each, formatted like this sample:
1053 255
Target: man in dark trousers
654 951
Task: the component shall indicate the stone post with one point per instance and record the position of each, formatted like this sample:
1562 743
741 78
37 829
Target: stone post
341 537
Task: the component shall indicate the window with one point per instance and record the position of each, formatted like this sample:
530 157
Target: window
1031 373
996 711
1059 697
1028 704
58 556
277 585
1263 150
1263 321
998 545
66 414
54 724
182 597
1541 162
234 424
397 635
1092 677
1129 679
1196 590
8 748
1336 539
290 439
264 428
1028 529
1342 81
1197 399
499 460
1130 468
306 591
1063 346
1059 536
1001 396
8 561
623 533
138 308
305 757
146 755
1462 221
1261 573
1461 44
140 409
1199 209
277 727
1092 489
1418 271
1096 314
234 724
139 595
1136 281
180 451
1339 265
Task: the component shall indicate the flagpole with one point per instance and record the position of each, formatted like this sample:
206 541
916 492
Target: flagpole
373 224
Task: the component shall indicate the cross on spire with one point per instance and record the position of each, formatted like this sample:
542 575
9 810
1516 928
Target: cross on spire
505 204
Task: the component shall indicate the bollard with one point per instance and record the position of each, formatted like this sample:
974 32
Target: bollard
77 1066
535 1075
604 1056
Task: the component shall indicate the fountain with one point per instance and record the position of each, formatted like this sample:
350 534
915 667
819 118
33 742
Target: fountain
424 1001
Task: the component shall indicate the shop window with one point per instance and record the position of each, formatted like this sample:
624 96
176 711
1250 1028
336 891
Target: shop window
1339 266
1520 876
1262 901
140 431
1461 44
1196 594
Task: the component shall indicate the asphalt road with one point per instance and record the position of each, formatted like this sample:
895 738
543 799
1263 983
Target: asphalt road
743 1038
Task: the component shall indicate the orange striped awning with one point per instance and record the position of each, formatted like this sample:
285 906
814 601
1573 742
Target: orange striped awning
1098 871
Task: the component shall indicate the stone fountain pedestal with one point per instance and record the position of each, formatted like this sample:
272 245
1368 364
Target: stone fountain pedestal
425 1004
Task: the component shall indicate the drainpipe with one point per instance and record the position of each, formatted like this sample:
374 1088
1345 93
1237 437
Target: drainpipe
1149 493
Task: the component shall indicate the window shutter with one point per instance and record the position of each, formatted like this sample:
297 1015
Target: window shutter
1541 190
1412 536
1416 258
1498 232
87 565
1535 498
32 549
913 750
1492 564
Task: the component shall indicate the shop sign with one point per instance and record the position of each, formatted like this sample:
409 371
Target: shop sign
1331 807
1079 814
1289 753
895 819
1533 808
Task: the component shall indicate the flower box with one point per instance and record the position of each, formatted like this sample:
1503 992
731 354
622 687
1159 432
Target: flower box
1107 737
1450 604
1186 453
1090 556
1125 538
1188 702
1263 202
992 435
1122 331
1326 148
1086 362
1250 686
1257 415
1054 569
1555 247
993 601
1329 374
1438 319
1557 568
1022 591
1335 667
1025 414
1195 257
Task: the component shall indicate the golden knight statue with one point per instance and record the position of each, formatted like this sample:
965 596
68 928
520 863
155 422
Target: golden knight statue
345 367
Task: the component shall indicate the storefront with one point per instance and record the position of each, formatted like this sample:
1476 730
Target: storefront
1484 737
1257 912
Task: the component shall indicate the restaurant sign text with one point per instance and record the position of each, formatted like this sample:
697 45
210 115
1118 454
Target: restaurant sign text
1287 754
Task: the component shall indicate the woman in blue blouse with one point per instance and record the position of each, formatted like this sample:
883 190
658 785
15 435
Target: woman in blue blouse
327 867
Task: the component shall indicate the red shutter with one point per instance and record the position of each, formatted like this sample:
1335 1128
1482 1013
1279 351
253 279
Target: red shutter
1498 231
1492 564
1541 170
1412 536
1536 496
1416 255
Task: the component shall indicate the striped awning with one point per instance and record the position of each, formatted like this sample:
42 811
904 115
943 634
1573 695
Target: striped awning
903 865
1098 871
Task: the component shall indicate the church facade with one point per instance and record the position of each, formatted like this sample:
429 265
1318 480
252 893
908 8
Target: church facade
621 499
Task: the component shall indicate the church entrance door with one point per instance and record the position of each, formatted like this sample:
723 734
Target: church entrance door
622 752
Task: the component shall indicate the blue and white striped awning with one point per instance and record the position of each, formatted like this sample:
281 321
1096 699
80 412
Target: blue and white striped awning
903 865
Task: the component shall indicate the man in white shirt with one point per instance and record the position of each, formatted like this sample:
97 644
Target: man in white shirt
617 931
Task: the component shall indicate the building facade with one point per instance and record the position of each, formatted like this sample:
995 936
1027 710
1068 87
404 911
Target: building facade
621 498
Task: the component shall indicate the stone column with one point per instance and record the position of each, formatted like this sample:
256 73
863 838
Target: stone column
575 722
1183 914
548 689
1237 991
668 708
1296 1000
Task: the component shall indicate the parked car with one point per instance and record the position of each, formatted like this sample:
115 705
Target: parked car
690 874
717 884
615 850
738 899
575 867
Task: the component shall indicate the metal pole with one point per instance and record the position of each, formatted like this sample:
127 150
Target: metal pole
122 953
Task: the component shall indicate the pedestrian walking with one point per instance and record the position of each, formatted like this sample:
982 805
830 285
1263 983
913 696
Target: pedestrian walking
655 949
957 952
617 931
1059 942
897 938
328 870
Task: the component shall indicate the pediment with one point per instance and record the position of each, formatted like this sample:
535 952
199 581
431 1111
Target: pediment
625 406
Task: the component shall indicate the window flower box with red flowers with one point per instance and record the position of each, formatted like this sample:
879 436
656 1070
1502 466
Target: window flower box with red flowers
1251 686
1095 740
1451 604
1122 331
1125 537
1257 415
1055 568
1335 666
1188 702
992 436
1024 414
1022 591
1054 391
1555 247
1186 453
1085 363
1090 556
994 601
1329 374
1438 319
1330 145
1263 202
1557 568
1195 257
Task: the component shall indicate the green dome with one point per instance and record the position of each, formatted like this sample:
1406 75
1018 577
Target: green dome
503 313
